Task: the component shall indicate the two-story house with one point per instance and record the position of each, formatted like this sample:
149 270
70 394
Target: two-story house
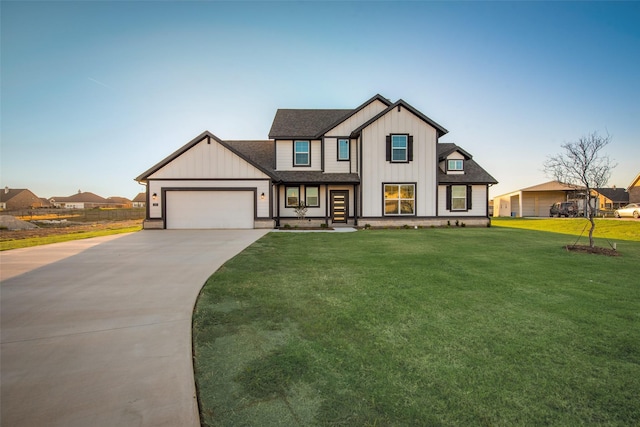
379 164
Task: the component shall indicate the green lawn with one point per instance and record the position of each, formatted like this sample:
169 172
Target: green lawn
458 327
72 235
606 229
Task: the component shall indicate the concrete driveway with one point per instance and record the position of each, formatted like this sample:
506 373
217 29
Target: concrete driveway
98 332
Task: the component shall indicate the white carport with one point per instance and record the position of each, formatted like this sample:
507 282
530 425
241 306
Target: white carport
532 201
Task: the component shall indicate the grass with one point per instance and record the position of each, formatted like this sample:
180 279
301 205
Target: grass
494 326
72 235
606 229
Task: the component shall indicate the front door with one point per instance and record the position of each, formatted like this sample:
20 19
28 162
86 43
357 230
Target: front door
339 206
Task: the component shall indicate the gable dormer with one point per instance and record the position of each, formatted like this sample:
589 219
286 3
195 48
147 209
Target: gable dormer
452 159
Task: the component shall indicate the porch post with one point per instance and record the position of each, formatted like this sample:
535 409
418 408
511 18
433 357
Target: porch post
355 204
326 204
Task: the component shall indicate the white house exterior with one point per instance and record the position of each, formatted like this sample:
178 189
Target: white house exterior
379 164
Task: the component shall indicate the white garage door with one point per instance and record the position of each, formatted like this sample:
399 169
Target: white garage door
209 209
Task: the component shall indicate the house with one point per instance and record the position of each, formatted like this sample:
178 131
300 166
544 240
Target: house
533 201
119 202
634 190
18 198
379 164
140 201
80 200
611 198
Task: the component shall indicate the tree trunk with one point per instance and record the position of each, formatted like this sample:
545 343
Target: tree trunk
593 226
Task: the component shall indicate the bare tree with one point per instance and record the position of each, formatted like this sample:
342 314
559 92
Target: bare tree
583 166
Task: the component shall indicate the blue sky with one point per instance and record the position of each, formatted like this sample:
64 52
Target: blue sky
94 93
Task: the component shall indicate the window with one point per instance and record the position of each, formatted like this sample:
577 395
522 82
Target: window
459 197
399 148
399 199
455 165
292 197
343 149
301 153
312 197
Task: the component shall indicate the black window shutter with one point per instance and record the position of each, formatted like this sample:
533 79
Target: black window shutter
410 148
388 148
448 197
468 197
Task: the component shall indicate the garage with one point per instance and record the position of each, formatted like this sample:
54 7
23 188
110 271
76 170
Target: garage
206 209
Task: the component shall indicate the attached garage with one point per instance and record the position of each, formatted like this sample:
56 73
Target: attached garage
211 184
206 209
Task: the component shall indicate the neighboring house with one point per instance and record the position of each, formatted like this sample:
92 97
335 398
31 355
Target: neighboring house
634 190
611 198
119 202
533 201
45 203
379 164
18 198
81 200
140 201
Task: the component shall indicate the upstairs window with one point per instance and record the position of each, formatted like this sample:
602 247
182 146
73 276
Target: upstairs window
455 165
343 149
302 154
399 148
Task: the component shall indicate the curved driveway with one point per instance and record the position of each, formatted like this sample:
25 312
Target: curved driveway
98 332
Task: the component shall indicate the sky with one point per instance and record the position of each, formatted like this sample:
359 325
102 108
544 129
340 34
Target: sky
94 93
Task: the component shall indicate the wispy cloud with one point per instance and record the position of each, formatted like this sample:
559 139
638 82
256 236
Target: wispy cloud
99 82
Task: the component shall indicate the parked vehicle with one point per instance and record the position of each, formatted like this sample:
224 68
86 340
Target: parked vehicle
631 210
566 209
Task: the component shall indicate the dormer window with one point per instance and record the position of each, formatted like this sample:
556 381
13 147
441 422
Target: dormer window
302 154
455 165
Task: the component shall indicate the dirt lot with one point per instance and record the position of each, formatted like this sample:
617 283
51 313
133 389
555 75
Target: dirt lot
68 227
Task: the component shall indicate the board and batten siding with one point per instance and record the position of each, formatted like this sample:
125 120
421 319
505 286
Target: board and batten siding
478 201
261 186
376 170
346 127
331 163
205 160
284 156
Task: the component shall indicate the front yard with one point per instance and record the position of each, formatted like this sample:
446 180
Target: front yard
420 327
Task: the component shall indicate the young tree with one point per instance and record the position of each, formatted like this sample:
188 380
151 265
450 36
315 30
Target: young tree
583 166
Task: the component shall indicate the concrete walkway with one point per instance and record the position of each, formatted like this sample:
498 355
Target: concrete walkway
98 332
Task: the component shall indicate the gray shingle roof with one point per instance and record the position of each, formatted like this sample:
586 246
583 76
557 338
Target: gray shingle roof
615 194
308 124
473 173
313 123
311 177
262 153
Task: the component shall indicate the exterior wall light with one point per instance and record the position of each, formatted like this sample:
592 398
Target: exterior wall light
154 196
262 196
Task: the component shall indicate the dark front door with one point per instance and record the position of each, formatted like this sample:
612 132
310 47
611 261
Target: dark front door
339 206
